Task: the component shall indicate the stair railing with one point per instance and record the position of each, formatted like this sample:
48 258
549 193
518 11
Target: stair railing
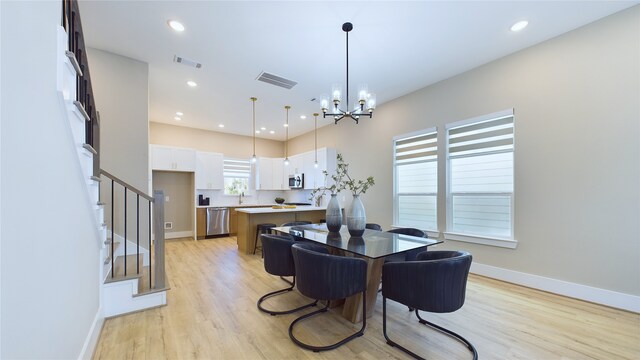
155 206
84 102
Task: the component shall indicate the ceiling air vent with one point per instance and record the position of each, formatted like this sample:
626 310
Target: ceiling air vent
276 80
185 61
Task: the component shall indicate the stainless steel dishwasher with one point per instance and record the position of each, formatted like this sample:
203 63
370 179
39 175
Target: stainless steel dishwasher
217 221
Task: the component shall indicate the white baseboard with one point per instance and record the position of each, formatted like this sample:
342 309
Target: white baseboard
90 343
583 292
177 234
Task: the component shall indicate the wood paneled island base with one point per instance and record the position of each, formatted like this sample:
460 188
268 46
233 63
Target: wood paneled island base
248 219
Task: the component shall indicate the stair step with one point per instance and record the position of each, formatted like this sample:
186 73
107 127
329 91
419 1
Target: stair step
118 266
90 149
95 178
107 260
100 203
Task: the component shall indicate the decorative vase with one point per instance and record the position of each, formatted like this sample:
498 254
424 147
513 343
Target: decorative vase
334 214
356 217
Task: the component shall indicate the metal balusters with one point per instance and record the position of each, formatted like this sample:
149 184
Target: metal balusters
150 283
112 230
137 233
125 231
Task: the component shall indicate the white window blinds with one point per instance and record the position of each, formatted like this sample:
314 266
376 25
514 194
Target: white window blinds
237 168
416 180
480 155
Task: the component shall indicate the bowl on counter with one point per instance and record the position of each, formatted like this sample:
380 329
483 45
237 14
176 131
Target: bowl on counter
279 201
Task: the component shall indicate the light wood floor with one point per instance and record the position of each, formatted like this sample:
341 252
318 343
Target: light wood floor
212 314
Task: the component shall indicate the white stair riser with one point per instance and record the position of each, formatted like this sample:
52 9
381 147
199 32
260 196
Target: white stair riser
118 299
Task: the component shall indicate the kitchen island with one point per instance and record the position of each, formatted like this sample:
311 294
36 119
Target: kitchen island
249 218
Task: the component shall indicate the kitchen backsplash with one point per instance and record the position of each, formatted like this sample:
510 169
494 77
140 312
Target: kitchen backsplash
256 197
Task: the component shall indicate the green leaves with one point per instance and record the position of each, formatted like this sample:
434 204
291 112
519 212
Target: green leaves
342 181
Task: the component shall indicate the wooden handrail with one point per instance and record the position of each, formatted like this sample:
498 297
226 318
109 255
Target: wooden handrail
123 183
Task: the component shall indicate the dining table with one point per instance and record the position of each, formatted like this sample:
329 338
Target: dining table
373 246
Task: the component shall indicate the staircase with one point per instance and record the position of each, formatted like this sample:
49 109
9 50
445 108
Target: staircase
132 274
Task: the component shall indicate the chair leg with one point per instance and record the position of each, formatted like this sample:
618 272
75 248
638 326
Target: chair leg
287 281
274 313
384 331
450 333
337 344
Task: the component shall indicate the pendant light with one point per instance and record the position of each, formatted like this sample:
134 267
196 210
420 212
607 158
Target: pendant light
254 158
286 143
366 101
315 135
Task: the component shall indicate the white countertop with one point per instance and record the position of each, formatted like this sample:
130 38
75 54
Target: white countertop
233 206
271 210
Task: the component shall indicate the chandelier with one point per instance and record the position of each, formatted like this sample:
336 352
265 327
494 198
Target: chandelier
366 101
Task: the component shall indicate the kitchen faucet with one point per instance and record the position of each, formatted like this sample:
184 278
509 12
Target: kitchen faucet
240 198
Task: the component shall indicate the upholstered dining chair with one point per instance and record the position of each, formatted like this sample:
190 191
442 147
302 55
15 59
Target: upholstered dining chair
373 226
328 277
278 261
435 282
411 254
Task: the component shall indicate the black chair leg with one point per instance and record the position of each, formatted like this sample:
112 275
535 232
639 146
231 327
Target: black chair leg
274 313
287 281
384 331
339 343
450 333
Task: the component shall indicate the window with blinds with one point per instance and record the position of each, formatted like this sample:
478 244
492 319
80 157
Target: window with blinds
480 181
416 180
236 176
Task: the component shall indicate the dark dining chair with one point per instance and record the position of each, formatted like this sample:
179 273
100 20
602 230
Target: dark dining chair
435 282
411 254
278 261
328 277
297 223
373 226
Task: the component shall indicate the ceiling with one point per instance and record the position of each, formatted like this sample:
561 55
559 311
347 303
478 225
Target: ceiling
395 48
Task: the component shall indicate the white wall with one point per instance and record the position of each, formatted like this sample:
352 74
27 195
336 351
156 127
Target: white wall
577 151
50 248
121 88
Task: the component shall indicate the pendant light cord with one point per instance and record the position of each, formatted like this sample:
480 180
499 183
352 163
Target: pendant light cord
254 125
286 143
315 134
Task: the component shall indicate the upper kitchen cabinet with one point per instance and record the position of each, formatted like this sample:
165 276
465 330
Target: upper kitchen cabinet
326 162
270 174
310 171
209 170
295 166
172 159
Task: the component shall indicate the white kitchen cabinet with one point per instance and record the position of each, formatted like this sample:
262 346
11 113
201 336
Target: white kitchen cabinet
264 174
280 180
310 171
295 165
209 170
326 161
270 174
172 159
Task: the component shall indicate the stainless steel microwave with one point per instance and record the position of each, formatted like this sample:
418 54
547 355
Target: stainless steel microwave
296 181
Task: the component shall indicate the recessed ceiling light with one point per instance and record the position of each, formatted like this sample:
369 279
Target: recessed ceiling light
177 118
272 132
263 128
176 25
257 131
519 25
179 113
303 117
221 125
286 125
192 83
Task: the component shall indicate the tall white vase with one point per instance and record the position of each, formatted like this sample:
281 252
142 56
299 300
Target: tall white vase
356 217
334 214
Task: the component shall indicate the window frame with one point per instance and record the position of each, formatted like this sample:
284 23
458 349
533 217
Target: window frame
432 233
250 178
509 242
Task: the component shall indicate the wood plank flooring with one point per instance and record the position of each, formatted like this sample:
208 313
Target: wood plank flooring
212 314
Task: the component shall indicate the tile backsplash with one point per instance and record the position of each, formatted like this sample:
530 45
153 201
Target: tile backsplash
258 197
